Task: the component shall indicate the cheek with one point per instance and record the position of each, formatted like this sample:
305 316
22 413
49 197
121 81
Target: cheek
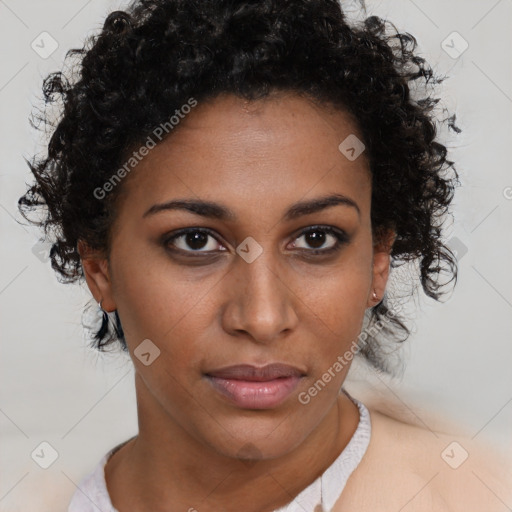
153 300
338 297
334 309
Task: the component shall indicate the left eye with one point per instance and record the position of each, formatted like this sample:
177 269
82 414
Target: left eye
317 237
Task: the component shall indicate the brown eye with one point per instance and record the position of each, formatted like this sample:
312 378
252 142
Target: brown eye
193 240
321 239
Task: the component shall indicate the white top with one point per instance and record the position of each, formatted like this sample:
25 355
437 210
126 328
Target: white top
320 496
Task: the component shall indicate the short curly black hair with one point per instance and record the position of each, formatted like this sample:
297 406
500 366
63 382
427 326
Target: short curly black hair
150 59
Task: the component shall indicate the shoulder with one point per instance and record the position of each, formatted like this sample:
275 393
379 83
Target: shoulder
415 469
92 491
461 472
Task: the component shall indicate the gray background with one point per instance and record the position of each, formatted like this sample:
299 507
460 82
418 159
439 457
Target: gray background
457 362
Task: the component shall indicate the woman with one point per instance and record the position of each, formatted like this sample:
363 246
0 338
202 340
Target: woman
234 180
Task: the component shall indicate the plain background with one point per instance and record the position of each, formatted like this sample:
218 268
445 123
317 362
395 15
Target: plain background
457 362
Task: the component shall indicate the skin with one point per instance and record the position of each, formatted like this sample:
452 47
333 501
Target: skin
257 159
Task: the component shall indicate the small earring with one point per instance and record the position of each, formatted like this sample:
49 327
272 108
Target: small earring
375 296
104 326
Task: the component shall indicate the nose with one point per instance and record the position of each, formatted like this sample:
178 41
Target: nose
260 302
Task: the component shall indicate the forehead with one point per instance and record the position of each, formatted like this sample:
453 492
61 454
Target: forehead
265 152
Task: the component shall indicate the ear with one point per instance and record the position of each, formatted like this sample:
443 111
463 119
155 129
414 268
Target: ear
380 270
97 275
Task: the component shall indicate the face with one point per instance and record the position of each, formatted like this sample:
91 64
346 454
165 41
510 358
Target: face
268 271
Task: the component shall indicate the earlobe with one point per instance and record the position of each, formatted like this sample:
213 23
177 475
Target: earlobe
380 270
97 276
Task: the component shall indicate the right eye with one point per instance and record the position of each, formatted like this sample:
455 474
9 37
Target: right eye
192 240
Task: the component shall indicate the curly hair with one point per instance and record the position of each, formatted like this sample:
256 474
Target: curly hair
149 59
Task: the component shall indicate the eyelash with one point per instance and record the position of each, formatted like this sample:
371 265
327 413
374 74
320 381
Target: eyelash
341 239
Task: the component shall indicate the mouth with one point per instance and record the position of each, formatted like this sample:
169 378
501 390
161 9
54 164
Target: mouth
251 387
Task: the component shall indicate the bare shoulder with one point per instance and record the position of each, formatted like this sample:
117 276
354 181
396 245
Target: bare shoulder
414 469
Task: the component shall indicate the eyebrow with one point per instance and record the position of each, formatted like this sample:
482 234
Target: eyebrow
217 211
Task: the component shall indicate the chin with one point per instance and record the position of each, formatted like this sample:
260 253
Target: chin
254 440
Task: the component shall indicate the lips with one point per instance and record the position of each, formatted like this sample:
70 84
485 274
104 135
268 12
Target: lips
251 387
251 373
